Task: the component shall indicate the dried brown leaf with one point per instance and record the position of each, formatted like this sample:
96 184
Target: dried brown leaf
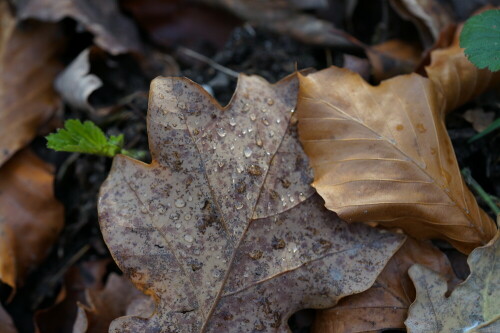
382 154
30 217
113 31
28 63
474 306
118 298
222 229
459 80
6 323
385 305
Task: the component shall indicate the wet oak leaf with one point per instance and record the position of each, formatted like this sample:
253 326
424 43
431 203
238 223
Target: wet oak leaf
30 216
29 62
385 305
459 80
222 229
382 155
474 306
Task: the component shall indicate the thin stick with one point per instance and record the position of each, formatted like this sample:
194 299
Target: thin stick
210 62
480 191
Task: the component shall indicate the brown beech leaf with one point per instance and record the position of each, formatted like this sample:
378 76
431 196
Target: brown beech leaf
6 323
30 217
474 306
118 298
385 305
222 229
28 63
113 31
382 154
459 80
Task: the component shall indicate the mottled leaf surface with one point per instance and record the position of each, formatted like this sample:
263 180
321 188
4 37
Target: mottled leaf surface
222 229
382 154
473 306
385 305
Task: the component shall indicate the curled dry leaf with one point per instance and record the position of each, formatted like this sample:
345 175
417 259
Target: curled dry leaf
6 323
30 217
28 63
76 83
118 298
429 16
113 31
474 306
382 154
385 305
223 228
459 80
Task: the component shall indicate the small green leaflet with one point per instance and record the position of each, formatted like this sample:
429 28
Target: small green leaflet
481 39
85 138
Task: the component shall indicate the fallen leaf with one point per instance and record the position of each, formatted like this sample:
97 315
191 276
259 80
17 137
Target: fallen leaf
28 63
113 31
479 119
392 58
385 305
222 229
429 16
118 298
382 155
61 317
459 80
474 306
358 65
6 323
76 83
30 217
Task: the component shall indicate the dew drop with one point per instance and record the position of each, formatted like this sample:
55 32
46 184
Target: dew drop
181 105
292 110
278 121
161 209
144 209
245 275
250 130
178 226
258 141
271 134
221 132
187 217
221 164
264 110
190 198
270 101
265 121
302 197
239 168
292 199
238 206
188 238
253 117
179 203
246 107
231 147
247 152
232 122
174 216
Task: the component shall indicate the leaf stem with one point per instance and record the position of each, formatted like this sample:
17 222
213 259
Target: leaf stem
480 191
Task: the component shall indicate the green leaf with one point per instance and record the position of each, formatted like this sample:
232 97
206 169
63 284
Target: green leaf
493 126
84 138
481 39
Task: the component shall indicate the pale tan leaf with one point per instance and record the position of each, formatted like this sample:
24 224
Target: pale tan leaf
30 216
385 305
459 80
29 63
474 306
222 229
382 154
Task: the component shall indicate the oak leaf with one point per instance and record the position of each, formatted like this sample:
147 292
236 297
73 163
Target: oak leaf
474 306
222 229
30 216
385 305
29 63
6 323
382 154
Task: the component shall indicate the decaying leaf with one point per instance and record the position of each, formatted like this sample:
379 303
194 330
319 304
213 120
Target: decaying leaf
385 305
112 31
222 229
429 16
479 119
29 64
382 154
459 80
119 298
474 306
6 324
76 83
30 217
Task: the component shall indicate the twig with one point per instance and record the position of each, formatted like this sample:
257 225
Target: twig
210 62
480 191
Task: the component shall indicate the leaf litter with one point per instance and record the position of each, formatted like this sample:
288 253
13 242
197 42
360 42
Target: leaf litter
222 229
